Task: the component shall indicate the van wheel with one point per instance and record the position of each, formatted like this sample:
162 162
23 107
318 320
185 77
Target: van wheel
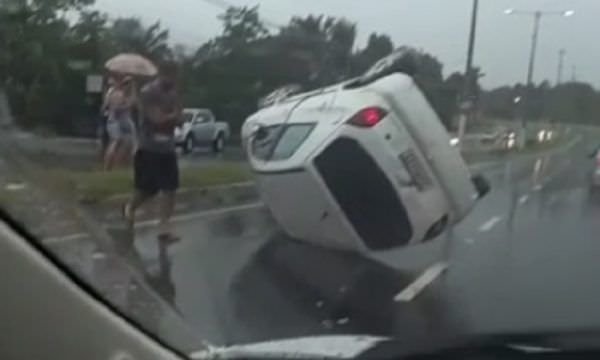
219 143
188 144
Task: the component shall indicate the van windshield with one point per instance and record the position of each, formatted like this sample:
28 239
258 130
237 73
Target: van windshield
280 142
293 136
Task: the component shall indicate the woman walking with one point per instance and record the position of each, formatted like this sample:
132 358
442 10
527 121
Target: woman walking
120 102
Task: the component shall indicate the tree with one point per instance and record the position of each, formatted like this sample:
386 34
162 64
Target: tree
573 103
378 47
90 38
341 38
130 35
326 42
499 102
241 26
568 103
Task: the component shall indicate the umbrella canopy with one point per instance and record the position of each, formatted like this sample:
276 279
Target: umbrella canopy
131 64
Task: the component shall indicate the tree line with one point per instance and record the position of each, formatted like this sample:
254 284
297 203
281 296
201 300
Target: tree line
47 47
45 55
570 102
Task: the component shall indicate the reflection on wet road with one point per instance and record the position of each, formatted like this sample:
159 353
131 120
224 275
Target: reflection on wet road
525 259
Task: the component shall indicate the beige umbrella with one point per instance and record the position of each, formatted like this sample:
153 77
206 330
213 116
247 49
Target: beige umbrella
131 64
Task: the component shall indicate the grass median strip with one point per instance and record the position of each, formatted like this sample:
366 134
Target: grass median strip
93 186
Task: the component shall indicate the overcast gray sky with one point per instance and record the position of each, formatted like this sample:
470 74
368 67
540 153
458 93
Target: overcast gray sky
437 26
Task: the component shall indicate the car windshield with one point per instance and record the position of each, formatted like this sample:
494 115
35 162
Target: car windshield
451 187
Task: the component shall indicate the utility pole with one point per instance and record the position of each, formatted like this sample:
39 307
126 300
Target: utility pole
534 40
574 74
561 61
537 17
467 105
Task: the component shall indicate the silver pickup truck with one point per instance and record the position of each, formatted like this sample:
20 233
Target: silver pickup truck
200 128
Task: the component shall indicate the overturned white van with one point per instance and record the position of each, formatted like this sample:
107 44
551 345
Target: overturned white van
364 165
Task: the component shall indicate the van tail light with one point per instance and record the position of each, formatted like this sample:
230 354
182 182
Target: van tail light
368 117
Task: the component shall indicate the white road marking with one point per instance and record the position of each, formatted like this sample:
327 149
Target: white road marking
523 199
99 256
488 225
428 277
532 349
343 321
469 241
15 186
63 239
202 214
537 187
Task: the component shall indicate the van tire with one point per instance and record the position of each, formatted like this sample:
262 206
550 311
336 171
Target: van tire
188 144
219 143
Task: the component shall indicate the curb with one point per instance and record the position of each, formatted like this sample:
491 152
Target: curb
184 191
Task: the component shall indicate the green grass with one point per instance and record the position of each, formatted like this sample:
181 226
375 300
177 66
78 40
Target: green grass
7 197
94 186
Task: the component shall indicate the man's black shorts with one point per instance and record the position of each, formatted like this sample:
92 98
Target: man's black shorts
155 172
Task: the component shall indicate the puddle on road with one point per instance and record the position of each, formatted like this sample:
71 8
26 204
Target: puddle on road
291 289
129 291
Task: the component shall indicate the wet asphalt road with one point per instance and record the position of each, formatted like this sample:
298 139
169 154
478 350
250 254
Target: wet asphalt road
526 259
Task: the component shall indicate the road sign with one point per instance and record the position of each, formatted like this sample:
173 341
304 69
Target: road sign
94 84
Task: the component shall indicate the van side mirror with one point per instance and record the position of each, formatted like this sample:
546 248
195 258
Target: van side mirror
482 185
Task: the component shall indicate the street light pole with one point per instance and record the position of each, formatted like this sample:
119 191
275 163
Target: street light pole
561 62
471 49
537 17
534 40
466 98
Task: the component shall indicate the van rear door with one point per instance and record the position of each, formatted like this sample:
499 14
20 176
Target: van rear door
432 138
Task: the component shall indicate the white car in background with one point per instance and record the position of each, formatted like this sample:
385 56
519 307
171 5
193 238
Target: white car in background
200 128
364 165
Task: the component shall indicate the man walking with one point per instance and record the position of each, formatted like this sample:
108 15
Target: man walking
155 162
